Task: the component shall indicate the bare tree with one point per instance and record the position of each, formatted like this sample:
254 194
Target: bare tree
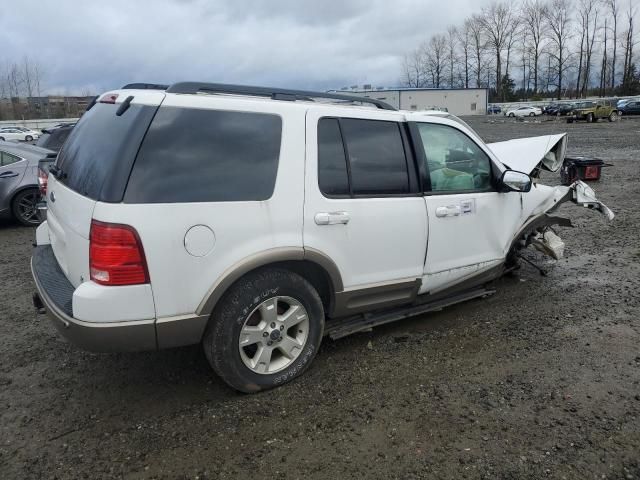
436 56
478 45
588 14
533 17
466 45
413 68
558 20
452 55
613 8
628 43
497 20
603 65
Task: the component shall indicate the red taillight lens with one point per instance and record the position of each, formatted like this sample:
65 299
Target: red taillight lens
116 256
43 179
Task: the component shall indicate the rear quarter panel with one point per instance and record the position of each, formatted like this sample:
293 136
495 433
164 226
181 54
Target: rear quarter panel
181 281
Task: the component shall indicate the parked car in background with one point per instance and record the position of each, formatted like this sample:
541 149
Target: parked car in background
551 109
565 108
19 187
592 112
525 111
273 220
494 109
630 108
53 138
18 133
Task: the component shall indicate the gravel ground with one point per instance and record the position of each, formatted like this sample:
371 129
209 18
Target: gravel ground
541 380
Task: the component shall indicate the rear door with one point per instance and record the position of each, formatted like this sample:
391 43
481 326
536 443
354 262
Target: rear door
362 206
12 170
94 165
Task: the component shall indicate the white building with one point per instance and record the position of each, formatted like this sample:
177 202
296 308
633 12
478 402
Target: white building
458 101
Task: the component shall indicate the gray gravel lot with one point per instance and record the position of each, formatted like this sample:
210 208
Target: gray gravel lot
541 380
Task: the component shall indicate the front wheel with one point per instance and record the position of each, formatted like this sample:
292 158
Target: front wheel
511 115
532 114
613 117
590 118
28 138
265 331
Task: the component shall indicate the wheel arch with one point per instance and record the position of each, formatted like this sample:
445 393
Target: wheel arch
313 265
18 190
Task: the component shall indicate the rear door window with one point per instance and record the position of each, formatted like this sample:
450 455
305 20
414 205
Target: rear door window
377 158
194 155
333 178
97 157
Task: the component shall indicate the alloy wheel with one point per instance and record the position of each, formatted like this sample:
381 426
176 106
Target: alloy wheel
274 335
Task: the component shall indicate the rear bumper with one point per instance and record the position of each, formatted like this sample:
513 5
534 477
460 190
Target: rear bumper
55 293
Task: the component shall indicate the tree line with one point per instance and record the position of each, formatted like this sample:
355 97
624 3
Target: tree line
532 49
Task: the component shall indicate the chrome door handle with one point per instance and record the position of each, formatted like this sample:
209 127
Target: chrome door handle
448 211
332 218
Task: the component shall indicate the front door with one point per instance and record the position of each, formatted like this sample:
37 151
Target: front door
362 207
470 223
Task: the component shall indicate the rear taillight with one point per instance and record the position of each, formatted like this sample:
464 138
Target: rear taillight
116 256
43 179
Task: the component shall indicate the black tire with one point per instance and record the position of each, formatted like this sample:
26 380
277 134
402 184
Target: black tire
2 138
222 336
512 115
590 118
613 117
24 207
532 114
28 138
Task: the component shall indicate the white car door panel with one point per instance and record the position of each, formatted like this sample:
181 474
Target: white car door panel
372 239
470 224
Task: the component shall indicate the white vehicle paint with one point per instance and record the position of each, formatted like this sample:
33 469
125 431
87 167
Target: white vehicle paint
525 111
18 133
452 220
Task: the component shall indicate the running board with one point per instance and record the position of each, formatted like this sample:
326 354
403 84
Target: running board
366 321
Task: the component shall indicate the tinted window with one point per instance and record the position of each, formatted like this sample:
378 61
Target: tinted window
454 162
376 157
191 155
8 159
54 139
332 165
101 148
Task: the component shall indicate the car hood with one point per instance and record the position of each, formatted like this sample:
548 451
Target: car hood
528 154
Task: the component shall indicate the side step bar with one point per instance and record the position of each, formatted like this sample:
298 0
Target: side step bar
342 328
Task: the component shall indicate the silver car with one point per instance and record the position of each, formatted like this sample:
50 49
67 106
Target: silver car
19 193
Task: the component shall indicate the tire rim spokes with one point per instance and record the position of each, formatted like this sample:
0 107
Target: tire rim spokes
28 208
273 335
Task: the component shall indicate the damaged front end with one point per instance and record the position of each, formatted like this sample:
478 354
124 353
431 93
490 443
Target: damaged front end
532 155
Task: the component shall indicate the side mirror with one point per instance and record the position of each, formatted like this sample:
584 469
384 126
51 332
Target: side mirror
513 181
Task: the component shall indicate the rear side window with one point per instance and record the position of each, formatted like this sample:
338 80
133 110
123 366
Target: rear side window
96 159
8 159
333 178
376 157
192 155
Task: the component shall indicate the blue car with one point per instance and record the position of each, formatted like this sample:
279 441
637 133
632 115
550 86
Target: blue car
494 109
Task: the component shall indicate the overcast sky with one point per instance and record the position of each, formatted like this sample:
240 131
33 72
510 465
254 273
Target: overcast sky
98 45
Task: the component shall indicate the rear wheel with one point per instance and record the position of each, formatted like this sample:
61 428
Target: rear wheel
532 114
265 331
511 115
25 207
590 118
28 138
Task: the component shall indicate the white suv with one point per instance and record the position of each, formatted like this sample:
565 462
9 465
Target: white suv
255 221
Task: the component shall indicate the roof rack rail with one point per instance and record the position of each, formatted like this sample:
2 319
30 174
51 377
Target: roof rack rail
273 93
144 86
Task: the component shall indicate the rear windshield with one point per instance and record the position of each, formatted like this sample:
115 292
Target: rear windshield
96 159
54 140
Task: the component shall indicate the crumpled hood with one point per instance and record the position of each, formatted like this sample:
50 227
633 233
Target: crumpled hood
527 154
